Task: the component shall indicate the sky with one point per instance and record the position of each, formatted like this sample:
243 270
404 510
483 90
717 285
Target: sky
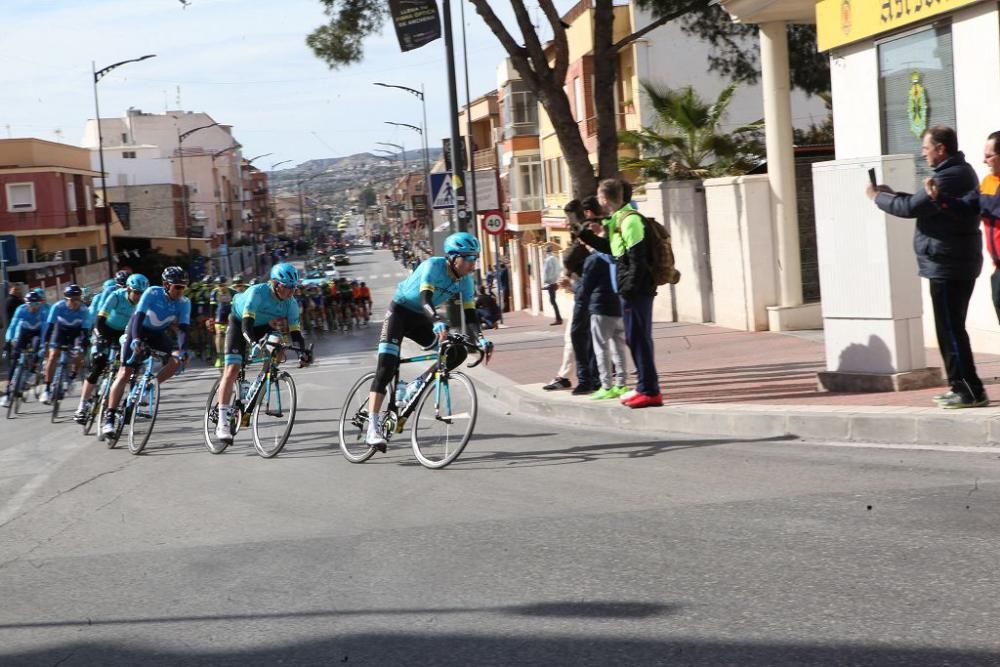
243 62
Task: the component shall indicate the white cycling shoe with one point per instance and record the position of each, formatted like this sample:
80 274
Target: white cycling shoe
222 428
5 401
374 437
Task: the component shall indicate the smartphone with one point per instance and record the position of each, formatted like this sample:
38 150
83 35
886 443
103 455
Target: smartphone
871 177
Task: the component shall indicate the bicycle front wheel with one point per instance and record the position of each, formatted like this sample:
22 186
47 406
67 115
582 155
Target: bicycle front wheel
274 415
56 392
14 391
140 426
353 427
444 420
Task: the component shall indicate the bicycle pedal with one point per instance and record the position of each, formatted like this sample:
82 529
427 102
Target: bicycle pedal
400 423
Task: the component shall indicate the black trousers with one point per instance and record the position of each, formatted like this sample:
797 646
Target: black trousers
552 299
950 299
583 347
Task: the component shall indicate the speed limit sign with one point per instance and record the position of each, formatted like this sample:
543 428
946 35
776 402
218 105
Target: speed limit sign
493 222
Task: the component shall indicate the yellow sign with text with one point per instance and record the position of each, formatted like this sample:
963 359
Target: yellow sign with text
840 22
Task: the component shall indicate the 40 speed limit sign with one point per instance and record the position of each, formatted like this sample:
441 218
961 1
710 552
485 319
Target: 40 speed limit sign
493 222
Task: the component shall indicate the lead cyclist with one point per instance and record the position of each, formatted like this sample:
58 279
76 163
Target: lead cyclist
413 314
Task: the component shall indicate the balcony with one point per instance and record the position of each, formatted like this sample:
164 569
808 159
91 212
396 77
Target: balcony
485 158
522 204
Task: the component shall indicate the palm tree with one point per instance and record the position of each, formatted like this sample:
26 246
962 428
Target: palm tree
686 141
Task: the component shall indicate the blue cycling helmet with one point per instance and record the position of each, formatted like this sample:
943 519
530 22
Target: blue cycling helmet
174 275
35 297
461 243
109 283
40 291
120 278
285 274
73 290
137 282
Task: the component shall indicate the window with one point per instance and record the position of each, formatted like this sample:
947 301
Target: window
526 183
70 196
20 197
920 65
124 137
128 155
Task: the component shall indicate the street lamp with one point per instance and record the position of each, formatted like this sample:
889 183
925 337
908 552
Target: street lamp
423 137
98 75
401 149
181 136
276 164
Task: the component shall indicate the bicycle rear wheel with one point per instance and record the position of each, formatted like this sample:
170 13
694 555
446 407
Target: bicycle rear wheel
274 416
211 418
353 426
438 439
140 426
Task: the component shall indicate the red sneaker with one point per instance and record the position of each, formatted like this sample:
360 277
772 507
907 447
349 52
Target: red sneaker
645 401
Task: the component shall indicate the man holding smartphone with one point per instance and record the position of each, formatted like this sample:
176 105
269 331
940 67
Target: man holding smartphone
949 252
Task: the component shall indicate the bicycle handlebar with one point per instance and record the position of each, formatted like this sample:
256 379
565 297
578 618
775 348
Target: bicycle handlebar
453 340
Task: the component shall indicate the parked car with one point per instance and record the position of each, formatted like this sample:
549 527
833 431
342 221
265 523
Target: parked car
341 258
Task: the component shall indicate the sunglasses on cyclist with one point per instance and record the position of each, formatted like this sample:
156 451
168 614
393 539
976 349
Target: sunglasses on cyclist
178 286
470 258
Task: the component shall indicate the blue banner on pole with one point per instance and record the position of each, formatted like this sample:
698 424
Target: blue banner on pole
9 243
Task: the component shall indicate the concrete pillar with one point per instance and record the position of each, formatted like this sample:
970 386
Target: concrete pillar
776 86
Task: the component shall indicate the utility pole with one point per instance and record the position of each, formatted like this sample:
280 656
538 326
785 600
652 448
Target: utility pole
457 164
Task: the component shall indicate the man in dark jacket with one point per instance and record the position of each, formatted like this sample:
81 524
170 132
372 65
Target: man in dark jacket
949 252
626 241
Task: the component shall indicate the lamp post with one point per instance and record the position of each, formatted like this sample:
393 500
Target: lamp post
181 136
98 75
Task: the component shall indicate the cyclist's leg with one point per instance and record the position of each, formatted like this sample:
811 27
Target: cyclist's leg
394 329
99 361
163 343
119 385
236 350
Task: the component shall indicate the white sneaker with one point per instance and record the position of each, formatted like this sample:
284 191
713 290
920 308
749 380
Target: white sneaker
108 428
374 438
628 395
222 431
5 401
46 397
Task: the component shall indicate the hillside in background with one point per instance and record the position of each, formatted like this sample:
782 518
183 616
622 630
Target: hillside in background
346 175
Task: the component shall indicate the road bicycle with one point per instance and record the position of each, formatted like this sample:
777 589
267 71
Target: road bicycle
62 379
93 407
142 402
23 380
268 405
444 409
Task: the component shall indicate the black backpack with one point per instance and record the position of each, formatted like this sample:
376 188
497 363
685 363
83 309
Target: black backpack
661 252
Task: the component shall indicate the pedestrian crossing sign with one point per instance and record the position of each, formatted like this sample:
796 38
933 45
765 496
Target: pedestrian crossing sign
442 191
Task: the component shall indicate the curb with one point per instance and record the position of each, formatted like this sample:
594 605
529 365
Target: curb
861 424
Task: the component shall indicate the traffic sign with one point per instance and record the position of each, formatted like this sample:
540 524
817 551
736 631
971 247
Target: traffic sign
493 222
442 193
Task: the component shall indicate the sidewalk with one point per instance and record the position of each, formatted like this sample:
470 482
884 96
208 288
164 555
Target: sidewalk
719 381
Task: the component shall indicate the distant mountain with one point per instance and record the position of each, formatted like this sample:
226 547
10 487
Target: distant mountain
322 164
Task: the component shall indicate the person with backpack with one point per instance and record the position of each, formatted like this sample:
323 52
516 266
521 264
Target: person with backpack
638 259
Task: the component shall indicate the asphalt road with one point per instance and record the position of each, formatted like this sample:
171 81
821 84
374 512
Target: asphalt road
543 545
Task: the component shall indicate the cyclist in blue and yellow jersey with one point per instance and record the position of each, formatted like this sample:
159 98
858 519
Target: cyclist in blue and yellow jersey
220 303
249 320
111 321
25 326
159 309
109 286
66 325
413 314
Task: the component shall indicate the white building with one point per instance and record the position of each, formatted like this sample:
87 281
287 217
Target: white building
145 149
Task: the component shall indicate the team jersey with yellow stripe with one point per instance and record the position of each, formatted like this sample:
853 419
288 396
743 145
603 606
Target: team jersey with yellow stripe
260 303
435 275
